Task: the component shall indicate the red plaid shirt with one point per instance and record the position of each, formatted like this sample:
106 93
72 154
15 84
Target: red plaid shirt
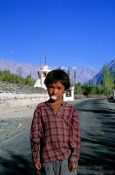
55 136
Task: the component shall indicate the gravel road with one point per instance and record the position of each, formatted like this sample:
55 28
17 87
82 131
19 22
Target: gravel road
96 139
15 121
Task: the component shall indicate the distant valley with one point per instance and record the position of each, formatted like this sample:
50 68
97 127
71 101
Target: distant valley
83 73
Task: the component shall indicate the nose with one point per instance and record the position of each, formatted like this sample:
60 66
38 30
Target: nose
55 91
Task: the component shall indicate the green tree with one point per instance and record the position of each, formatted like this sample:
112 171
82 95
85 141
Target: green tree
29 80
105 76
108 80
78 89
111 76
7 76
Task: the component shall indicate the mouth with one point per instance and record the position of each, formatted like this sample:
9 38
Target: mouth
53 97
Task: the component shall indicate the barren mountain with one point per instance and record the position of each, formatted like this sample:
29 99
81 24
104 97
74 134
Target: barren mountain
83 73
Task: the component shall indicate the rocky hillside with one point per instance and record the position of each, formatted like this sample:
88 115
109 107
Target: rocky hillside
21 69
85 73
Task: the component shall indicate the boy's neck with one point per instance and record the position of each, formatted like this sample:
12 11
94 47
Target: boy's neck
55 105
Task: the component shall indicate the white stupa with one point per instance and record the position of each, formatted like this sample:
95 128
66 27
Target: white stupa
41 76
43 71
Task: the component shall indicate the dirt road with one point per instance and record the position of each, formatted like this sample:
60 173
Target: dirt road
97 121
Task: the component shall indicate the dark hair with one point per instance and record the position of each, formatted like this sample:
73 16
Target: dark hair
57 75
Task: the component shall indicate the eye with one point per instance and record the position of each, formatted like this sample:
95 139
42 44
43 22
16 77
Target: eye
58 88
50 87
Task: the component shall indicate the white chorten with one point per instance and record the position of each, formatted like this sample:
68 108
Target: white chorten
42 75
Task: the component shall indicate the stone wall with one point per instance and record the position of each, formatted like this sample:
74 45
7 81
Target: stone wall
15 100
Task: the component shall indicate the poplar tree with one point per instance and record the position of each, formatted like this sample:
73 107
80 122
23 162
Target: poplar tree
108 77
111 75
105 76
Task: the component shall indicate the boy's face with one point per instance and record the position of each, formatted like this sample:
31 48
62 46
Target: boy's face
56 90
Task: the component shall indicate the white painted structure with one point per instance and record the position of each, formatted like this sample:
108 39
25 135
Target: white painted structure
42 75
69 95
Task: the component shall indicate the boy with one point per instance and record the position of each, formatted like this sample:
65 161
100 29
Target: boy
55 135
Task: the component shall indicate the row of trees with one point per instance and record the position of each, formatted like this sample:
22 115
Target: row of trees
87 89
105 88
7 76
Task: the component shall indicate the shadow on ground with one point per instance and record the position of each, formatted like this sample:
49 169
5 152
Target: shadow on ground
16 165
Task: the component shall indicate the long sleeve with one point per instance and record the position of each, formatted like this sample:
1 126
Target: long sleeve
75 137
35 135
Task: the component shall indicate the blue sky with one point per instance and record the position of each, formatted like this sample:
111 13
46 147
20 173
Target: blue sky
67 32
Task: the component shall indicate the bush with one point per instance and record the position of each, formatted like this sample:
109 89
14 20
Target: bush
78 89
87 90
7 76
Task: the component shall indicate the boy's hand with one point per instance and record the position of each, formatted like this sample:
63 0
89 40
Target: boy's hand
73 166
38 165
